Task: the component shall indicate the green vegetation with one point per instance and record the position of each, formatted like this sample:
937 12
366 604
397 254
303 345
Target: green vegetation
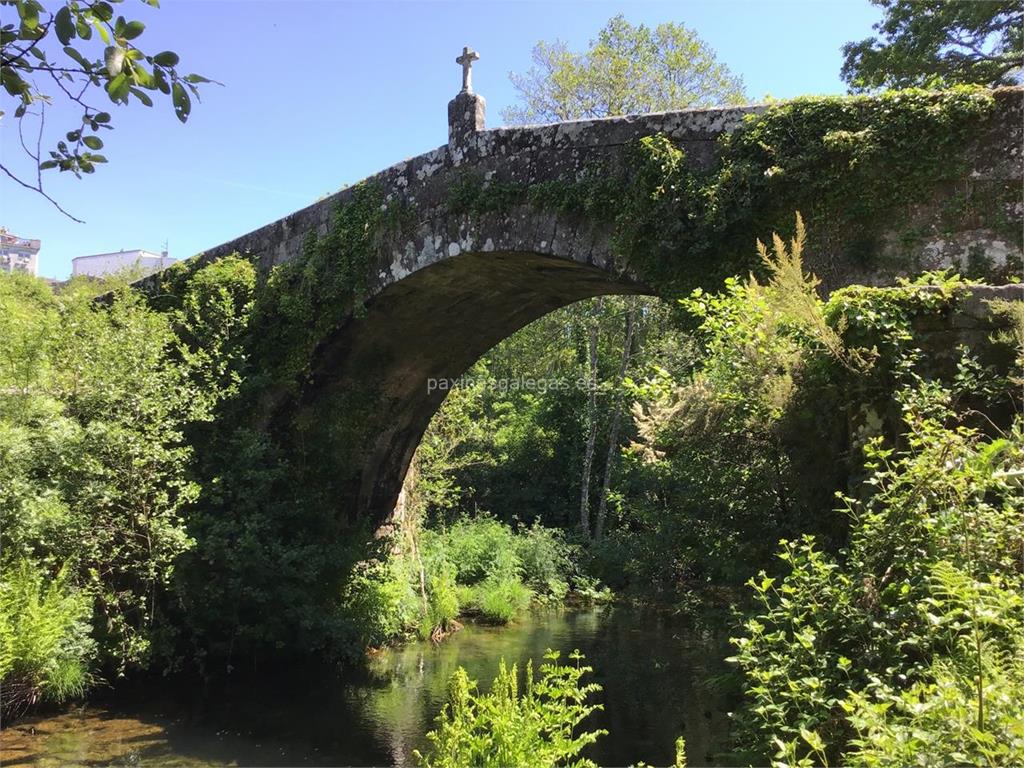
94 479
168 498
935 44
884 631
626 69
887 631
855 166
45 648
165 500
475 567
534 728
904 647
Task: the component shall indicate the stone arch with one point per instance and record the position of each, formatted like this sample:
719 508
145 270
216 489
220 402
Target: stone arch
390 369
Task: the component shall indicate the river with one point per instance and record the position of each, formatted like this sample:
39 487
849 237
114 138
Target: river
654 672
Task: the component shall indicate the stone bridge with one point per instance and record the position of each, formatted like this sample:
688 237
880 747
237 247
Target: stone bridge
455 284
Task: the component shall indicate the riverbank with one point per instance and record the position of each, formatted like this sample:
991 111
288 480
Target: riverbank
655 672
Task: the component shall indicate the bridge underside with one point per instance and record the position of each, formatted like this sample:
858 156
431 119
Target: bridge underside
371 387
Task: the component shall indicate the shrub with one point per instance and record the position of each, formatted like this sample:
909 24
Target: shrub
886 641
378 602
535 728
546 558
480 548
967 708
501 600
444 603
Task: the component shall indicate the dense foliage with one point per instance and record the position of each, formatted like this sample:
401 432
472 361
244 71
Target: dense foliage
45 646
475 567
886 631
935 44
95 480
906 647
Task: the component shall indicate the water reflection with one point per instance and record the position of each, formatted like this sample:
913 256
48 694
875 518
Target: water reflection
653 674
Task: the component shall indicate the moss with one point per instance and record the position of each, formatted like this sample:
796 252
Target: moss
304 300
858 168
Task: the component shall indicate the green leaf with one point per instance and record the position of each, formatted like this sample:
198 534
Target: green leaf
13 82
166 59
104 34
813 739
161 81
93 142
79 58
64 25
143 78
102 117
103 11
193 78
182 102
132 30
141 96
83 28
117 88
29 13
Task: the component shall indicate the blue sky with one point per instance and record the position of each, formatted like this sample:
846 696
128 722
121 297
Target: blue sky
321 93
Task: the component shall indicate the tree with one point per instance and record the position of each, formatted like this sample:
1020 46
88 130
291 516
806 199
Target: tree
53 55
626 70
936 43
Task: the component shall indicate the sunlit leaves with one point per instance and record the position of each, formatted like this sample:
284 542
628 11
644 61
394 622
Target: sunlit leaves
911 637
534 726
936 43
627 70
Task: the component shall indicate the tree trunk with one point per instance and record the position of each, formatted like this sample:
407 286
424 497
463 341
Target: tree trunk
613 432
588 453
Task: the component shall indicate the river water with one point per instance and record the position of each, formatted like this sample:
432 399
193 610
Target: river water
655 676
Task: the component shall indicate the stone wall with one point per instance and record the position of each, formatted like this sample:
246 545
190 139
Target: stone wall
562 151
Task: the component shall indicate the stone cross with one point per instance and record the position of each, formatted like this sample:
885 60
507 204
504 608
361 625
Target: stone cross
466 60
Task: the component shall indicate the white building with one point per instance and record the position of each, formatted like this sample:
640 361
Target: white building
139 263
18 254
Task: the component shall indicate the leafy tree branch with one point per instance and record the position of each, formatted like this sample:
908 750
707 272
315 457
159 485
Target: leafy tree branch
71 54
